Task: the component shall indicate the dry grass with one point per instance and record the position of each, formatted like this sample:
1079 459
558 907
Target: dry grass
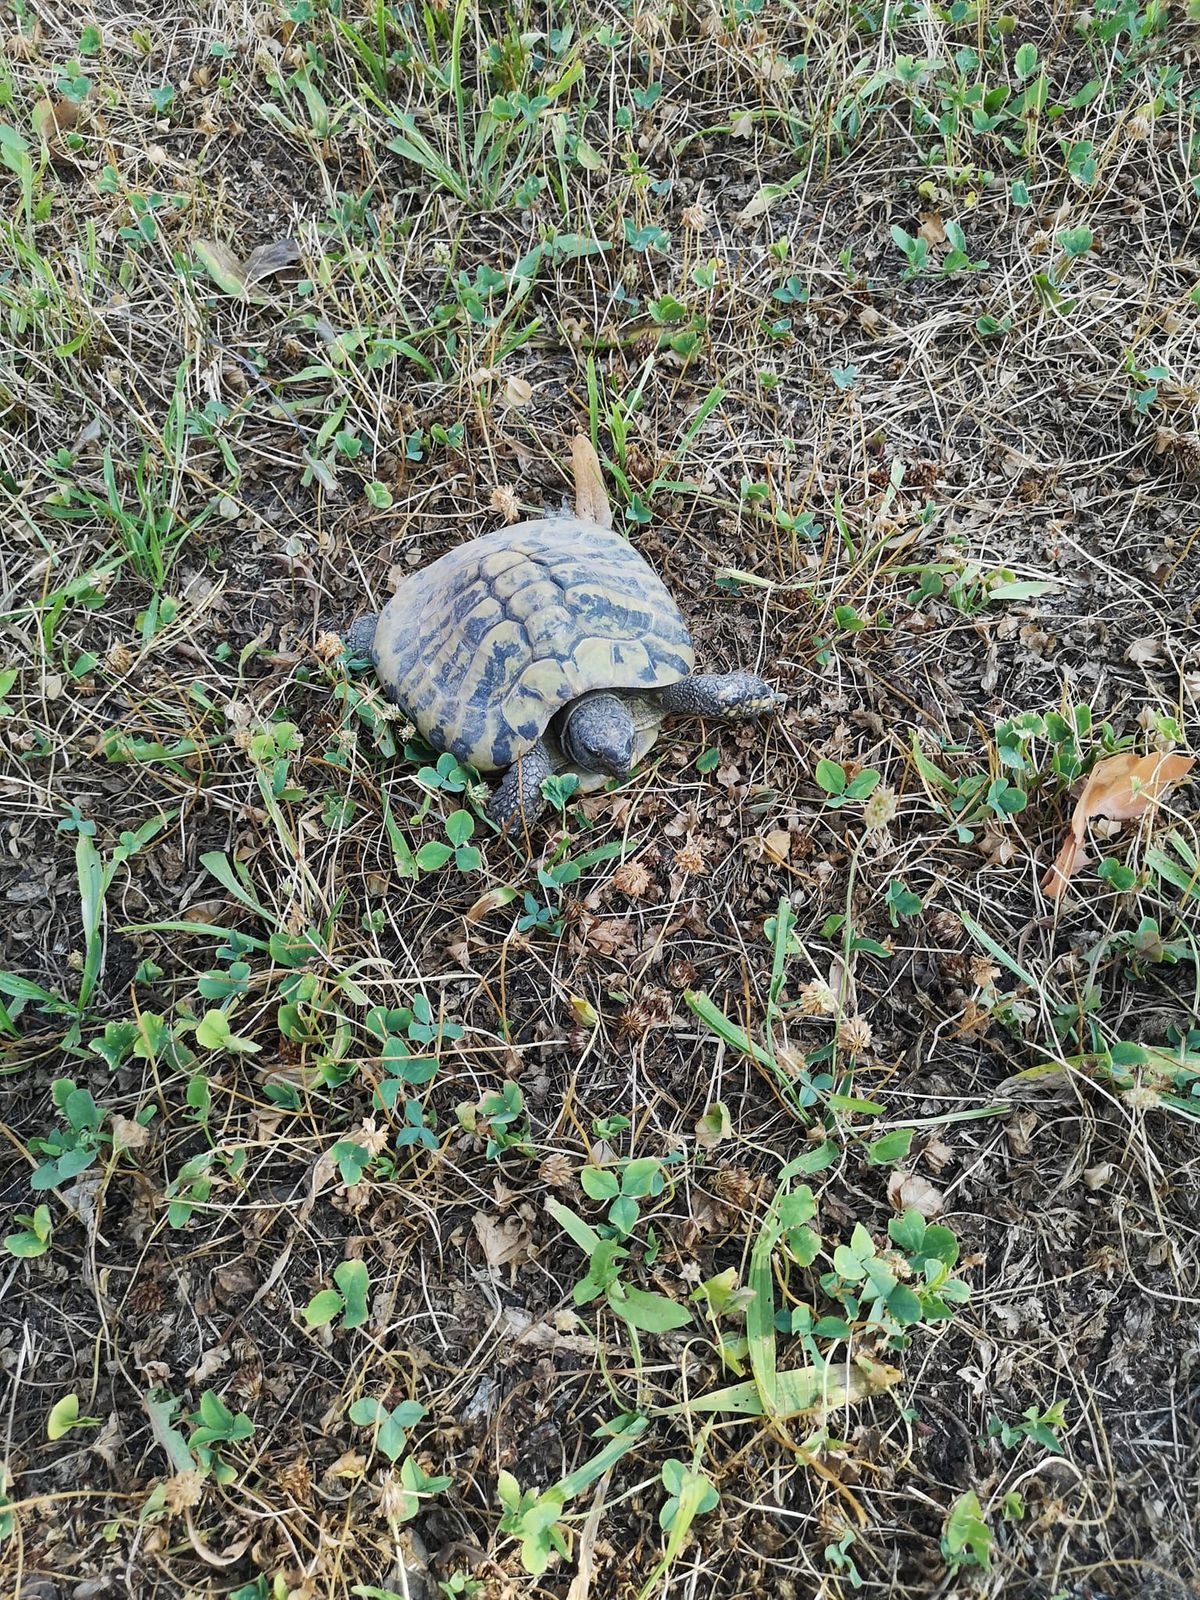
834 465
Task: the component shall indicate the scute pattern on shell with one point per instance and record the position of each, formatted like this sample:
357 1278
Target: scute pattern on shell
484 645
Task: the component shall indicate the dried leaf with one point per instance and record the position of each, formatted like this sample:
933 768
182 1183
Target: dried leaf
222 264
504 1239
931 229
1144 652
128 1134
591 497
267 259
87 435
612 936
778 844
517 393
938 1155
1121 788
802 1391
1096 1177
493 900
908 1190
583 1011
210 1362
1020 1131
50 118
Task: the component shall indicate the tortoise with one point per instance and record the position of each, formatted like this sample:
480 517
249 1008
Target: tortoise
548 646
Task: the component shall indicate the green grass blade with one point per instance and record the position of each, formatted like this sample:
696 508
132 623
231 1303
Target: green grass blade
89 870
717 1022
998 951
760 1313
799 1390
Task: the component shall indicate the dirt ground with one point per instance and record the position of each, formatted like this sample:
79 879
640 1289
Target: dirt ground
923 495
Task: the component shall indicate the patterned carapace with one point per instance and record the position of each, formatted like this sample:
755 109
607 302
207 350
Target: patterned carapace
482 647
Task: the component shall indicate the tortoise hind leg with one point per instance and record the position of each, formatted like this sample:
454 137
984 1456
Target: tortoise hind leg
736 696
518 796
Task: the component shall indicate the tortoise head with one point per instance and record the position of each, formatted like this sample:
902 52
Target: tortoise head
598 734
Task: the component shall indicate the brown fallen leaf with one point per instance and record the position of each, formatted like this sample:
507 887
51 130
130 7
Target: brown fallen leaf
909 1191
1145 652
938 1155
209 1363
931 229
504 1239
267 259
591 497
777 844
493 900
128 1134
1121 788
1096 1177
517 393
50 118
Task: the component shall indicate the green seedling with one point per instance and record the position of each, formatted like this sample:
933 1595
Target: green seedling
72 1149
500 1118
435 854
691 1493
837 1556
901 902
637 1180
64 1415
35 1236
215 1032
411 1038
546 915
535 1517
891 1295
840 790
192 1184
1039 1426
391 1426
348 1300
214 1428
651 1313
967 1539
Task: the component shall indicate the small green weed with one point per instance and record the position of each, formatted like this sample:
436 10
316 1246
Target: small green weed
391 1427
966 1538
535 1517
1041 1427
35 1237
348 1300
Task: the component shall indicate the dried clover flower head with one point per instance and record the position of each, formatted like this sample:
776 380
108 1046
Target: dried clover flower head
854 1035
880 808
816 1000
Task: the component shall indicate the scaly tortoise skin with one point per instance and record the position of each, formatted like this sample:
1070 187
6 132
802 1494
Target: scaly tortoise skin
548 646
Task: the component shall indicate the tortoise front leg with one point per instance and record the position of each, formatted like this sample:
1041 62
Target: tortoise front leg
360 635
736 696
519 792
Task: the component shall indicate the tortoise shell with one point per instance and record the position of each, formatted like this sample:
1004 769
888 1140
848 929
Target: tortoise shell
486 644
